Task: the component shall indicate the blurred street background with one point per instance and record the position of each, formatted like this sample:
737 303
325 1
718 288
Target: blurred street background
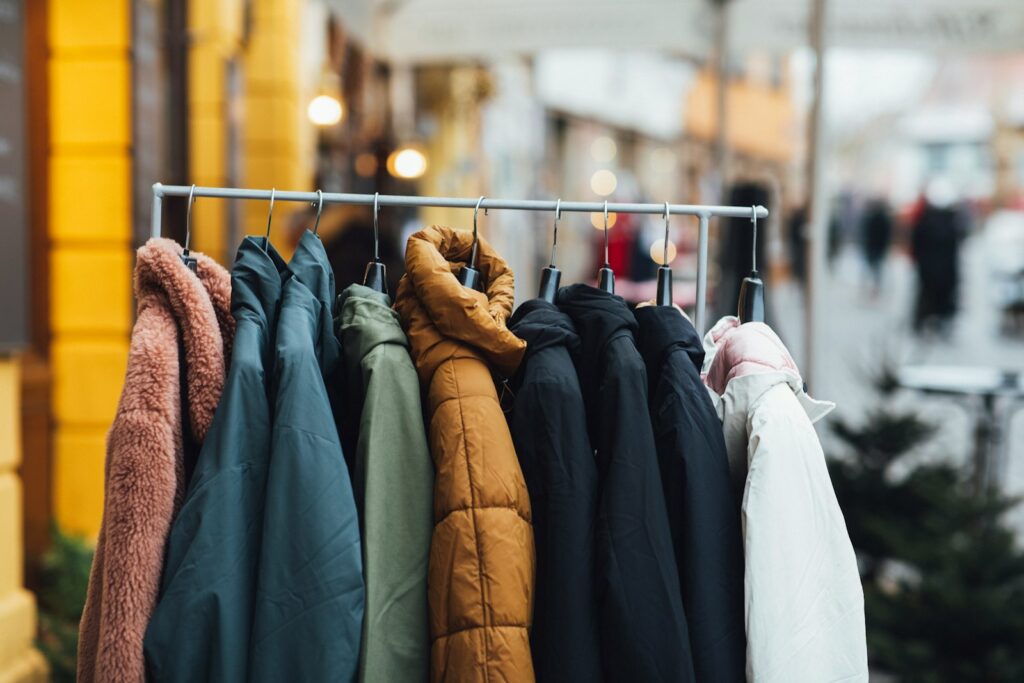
886 138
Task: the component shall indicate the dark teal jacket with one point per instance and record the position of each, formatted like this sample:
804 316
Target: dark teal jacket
309 601
200 628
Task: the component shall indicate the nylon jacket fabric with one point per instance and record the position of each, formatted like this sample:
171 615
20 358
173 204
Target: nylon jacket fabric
394 484
145 476
703 510
480 581
309 599
804 604
643 628
200 627
549 428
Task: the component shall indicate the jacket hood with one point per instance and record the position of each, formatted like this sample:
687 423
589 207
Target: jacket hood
598 317
432 257
664 329
541 325
309 265
367 320
160 276
743 361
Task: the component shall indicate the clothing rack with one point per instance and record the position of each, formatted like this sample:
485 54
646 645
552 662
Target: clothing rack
701 211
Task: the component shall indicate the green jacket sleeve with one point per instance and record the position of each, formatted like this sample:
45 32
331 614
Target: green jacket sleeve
396 476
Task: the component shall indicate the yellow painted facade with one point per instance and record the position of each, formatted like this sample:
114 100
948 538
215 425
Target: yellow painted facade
90 259
19 661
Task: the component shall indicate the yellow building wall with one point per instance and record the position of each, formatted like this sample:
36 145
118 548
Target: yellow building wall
19 661
90 255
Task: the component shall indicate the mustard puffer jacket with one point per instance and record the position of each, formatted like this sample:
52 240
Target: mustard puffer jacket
481 573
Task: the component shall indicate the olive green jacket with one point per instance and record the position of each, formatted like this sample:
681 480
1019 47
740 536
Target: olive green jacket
394 480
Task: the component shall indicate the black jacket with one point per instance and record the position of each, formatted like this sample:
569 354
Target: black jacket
549 428
643 628
702 509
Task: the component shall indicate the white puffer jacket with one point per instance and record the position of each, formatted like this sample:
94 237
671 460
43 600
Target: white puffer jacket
803 597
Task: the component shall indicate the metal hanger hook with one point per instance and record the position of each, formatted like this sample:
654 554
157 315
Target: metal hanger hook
606 233
554 241
664 255
376 234
319 210
472 253
753 250
188 218
270 213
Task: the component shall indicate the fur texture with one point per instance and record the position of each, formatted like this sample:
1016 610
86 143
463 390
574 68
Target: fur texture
144 476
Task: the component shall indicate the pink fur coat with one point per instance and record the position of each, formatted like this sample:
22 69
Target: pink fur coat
145 473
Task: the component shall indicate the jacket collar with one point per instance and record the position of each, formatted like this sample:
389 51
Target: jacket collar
541 325
161 279
664 329
432 257
310 267
599 317
366 321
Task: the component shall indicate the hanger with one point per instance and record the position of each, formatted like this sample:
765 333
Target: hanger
319 210
605 275
664 296
750 307
469 276
551 276
189 261
376 277
270 216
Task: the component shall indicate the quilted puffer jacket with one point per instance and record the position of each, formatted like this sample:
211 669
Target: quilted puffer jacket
481 571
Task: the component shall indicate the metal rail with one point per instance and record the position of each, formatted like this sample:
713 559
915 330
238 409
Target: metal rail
701 211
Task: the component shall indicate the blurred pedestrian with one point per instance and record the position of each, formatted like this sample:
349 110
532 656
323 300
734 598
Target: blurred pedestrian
875 238
935 245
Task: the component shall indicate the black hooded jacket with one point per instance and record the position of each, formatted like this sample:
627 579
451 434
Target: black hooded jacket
642 624
702 509
549 428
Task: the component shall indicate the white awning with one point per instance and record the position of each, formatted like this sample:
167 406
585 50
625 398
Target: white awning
416 31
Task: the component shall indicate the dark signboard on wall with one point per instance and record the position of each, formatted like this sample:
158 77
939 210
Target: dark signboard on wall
13 192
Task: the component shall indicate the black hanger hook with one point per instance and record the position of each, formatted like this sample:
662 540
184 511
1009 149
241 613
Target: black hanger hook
319 210
270 216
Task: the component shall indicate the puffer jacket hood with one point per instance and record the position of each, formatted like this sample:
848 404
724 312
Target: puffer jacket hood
150 446
541 325
365 321
481 568
461 316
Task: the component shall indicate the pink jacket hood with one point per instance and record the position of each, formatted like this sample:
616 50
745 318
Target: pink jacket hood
743 361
